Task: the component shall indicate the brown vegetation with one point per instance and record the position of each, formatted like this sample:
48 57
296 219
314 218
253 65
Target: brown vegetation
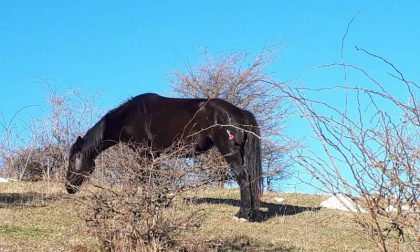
40 150
134 207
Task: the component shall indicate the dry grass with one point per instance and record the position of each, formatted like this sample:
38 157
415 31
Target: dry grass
41 217
37 216
295 224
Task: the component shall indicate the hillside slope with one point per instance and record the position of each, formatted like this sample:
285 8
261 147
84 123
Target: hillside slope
41 217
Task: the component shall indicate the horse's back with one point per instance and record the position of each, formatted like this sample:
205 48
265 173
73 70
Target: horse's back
173 112
161 120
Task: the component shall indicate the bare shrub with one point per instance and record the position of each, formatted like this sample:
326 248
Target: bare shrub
371 151
134 203
39 150
42 163
241 82
213 166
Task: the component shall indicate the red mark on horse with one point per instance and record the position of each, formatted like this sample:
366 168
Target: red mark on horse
231 137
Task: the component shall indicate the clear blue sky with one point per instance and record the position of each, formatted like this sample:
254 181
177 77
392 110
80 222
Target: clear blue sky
122 48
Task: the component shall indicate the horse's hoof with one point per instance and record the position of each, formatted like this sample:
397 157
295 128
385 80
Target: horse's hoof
239 219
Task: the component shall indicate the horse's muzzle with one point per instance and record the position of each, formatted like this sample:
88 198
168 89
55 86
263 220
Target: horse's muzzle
71 189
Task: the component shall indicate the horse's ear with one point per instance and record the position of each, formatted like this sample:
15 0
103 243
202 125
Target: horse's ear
79 142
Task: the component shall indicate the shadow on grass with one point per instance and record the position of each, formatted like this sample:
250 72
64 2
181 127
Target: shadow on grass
27 199
244 243
273 210
236 243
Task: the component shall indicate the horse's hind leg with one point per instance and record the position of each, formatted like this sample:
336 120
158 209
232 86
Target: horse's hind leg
246 206
233 155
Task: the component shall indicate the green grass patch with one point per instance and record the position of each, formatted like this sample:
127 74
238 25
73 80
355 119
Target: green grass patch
21 231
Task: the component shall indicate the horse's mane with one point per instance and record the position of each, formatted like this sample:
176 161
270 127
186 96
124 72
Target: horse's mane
94 137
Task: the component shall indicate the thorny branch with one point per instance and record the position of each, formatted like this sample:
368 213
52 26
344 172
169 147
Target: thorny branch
371 148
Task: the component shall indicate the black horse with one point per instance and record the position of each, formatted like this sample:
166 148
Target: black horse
159 121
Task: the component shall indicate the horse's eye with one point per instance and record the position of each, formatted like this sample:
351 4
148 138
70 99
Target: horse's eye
73 157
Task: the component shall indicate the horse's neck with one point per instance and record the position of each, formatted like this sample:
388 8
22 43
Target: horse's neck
105 144
94 140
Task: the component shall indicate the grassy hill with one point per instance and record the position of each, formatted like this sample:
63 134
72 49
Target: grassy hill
42 217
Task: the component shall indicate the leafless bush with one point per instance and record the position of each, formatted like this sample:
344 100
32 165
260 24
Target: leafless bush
42 163
39 150
371 151
231 78
138 208
214 167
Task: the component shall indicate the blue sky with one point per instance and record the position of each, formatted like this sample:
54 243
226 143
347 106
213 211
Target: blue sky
122 48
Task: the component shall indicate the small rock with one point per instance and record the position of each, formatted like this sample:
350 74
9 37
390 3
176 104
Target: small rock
4 180
279 199
239 219
342 202
390 209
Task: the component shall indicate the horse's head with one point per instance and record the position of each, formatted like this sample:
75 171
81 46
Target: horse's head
81 165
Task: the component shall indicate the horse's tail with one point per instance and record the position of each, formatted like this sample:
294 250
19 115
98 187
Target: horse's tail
252 160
